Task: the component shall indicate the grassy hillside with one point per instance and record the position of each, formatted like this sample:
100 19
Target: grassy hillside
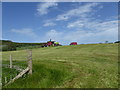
80 66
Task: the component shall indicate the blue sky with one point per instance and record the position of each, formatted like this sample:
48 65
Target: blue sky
64 22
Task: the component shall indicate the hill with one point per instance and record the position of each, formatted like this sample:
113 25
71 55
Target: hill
77 66
7 45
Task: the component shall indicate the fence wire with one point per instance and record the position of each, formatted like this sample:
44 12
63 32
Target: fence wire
19 63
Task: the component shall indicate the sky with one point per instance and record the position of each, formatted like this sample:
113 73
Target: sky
64 22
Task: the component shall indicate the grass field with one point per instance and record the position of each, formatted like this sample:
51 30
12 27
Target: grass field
80 66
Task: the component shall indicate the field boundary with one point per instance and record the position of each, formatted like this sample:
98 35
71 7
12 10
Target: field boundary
22 71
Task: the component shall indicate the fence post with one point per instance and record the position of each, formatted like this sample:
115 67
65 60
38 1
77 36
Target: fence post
30 62
10 61
10 77
5 80
1 83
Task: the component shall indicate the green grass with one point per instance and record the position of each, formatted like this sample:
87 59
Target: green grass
80 66
28 47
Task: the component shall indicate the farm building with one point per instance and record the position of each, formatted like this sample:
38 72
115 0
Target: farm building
73 43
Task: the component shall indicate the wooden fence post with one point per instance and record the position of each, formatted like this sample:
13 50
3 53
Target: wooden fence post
5 80
30 62
10 77
10 61
1 83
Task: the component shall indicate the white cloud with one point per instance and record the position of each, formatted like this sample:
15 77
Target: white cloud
75 24
53 34
81 11
99 32
42 8
26 31
86 29
49 24
93 25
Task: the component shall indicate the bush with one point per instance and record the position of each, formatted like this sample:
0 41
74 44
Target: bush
117 42
9 47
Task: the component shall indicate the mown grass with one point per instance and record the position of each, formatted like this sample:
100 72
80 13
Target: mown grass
28 47
80 66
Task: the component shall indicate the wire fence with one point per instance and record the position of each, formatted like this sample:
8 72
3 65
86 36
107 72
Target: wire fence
15 63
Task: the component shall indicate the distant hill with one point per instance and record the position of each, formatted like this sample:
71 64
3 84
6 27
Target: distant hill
117 42
7 45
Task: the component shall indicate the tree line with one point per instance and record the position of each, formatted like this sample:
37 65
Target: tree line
7 45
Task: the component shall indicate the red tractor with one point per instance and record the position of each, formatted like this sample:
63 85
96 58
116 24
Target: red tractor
73 43
51 43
